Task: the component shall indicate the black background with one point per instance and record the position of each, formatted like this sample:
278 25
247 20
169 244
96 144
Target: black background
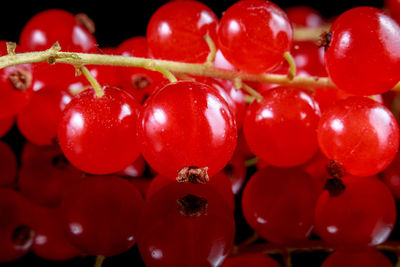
115 22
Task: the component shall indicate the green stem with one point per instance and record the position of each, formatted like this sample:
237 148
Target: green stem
213 50
99 261
292 65
252 92
166 73
251 162
92 80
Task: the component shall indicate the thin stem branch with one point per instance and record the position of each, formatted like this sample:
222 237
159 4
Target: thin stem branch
213 50
95 84
307 34
99 261
292 65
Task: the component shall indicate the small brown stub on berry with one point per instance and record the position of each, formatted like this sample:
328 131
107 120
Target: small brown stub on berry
86 22
324 39
140 82
192 206
20 79
22 236
335 187
193 174
334 169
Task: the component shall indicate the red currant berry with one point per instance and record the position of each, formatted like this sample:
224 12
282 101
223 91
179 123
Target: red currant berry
200 131
309 58
16 233
39 120
99 134
176 31
278 203
326 97
200 228
369 258
139 82
250 260
55 25
347 49
45 175
269 29
304 16
5 125
394 9
8 165
101 215
50 241
391 176
355 212
360 134
281 129
236 171
135 169
317 169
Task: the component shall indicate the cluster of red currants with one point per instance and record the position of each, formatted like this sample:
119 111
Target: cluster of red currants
80 185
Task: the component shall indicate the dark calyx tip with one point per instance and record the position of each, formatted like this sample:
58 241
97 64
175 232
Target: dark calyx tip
325 40
193 174
192 206
22 237
335 169
140 81
335 187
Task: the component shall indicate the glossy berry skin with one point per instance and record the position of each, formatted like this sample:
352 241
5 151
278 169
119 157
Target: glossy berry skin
99 134
47 27
304 16
139 82
278 203
176 31
220 183
309 58
281 130
16 236
394 9
391 176
270 31
204 240
369 258
100 215
236 171
363 215
5 125
8 165
200 131
380 59
14 95
46 175
250 260
360 134
50 240
38 121
135 169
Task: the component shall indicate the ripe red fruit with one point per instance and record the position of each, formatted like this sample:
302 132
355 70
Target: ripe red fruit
281 129
360 134
253 35
5 125
347 49
8 165
200 228
304 16
391 176
100 215
278 203
200 131
250 260
39 120
369 258
47 27
355 214
394 9
16 233
176 31
99 134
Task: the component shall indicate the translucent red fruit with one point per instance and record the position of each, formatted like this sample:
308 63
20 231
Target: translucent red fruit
139 82
369 258
50 240
200 227
16 83
45 175
198 131
38 121
360 214
253 35
8 165
304 16
394 9
278 203
5 125
100 215
16 233
391 176
99 134
360 134
347 47
250 260
281 129
176 31
55 25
